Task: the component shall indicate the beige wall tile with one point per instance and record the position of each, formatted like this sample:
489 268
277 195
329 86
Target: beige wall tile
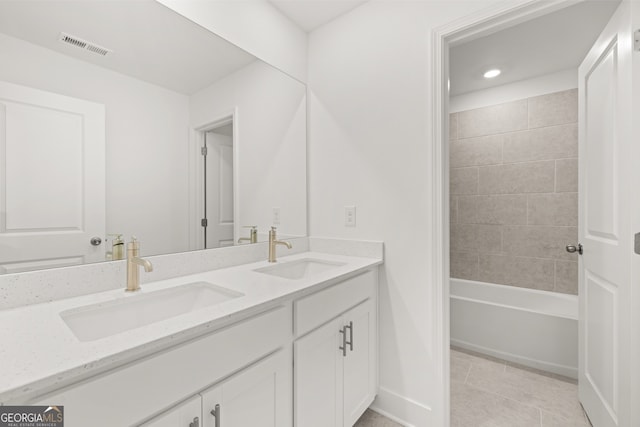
468 209
532 177
553 209
464 237
464 265
489 238
567 277
453 209
525 272
553 109
501 118
514 179
539 241
485 150
495 209
474 237
464 181
453 126
555 142
567 175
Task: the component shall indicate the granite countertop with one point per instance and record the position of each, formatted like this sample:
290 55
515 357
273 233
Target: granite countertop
39 352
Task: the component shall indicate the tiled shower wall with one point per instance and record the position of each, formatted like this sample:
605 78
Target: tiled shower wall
514 200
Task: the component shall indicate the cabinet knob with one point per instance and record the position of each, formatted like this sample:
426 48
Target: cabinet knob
216 414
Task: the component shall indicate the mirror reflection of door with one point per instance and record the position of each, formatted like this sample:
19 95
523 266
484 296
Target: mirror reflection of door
218 187
52 180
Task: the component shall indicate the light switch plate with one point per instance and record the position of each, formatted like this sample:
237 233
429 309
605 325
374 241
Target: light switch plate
350 216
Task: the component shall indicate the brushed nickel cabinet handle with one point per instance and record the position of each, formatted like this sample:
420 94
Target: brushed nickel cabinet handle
344 342
350 342
216 414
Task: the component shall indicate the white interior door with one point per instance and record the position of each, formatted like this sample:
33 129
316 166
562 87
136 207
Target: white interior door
607 189
219 188
52 179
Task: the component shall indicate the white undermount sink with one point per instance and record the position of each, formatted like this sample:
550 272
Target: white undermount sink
97 321
300 269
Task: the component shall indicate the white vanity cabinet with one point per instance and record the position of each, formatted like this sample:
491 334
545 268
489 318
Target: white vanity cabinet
186 414
335 364
255 347
259 395
303 361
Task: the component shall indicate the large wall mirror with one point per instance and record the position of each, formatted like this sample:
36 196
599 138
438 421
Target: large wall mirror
125 118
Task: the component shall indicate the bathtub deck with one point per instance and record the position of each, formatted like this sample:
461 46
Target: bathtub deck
492 392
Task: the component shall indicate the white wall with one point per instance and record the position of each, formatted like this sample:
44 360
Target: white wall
370 146
253 25
270 143
542 85
146 140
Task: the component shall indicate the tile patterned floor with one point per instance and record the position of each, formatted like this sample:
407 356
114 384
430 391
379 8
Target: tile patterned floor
493 393
488 392
373 419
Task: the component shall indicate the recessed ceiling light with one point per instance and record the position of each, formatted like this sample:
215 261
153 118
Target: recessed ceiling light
492 73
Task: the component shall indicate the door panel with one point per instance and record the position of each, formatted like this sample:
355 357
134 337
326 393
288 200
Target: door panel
219 190
257 396
52 179
359 365
318 377
601 190
605 186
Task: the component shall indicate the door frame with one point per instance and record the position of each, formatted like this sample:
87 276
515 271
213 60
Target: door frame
196 174
479 24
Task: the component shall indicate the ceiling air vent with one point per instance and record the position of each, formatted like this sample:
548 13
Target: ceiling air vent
83 44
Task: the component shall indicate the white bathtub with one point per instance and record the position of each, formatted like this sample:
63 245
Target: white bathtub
533 328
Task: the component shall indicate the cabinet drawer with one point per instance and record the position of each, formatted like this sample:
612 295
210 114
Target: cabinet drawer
131 394
316 309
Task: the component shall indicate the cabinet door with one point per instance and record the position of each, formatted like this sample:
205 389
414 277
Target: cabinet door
257 396
187 414
318 377
360 367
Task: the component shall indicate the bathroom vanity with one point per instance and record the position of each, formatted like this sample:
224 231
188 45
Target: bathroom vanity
269 344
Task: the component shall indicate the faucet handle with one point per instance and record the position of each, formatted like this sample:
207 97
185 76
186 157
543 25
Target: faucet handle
134 244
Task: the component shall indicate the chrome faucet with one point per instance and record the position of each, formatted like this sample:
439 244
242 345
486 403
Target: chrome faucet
272 244
253 235
133 262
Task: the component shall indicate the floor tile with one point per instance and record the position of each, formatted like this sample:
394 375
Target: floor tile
491 386
373 419
549 394
551 420
471 407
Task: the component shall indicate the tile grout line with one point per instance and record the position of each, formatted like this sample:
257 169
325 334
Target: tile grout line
468 372
528 405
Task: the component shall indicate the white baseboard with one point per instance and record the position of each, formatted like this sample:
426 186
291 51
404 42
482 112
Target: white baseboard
401 409
567 371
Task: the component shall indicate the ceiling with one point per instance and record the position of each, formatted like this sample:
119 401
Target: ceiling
149 41
310 14
550 43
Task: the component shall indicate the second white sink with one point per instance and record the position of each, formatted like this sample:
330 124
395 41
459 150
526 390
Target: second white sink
300 269
102 320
